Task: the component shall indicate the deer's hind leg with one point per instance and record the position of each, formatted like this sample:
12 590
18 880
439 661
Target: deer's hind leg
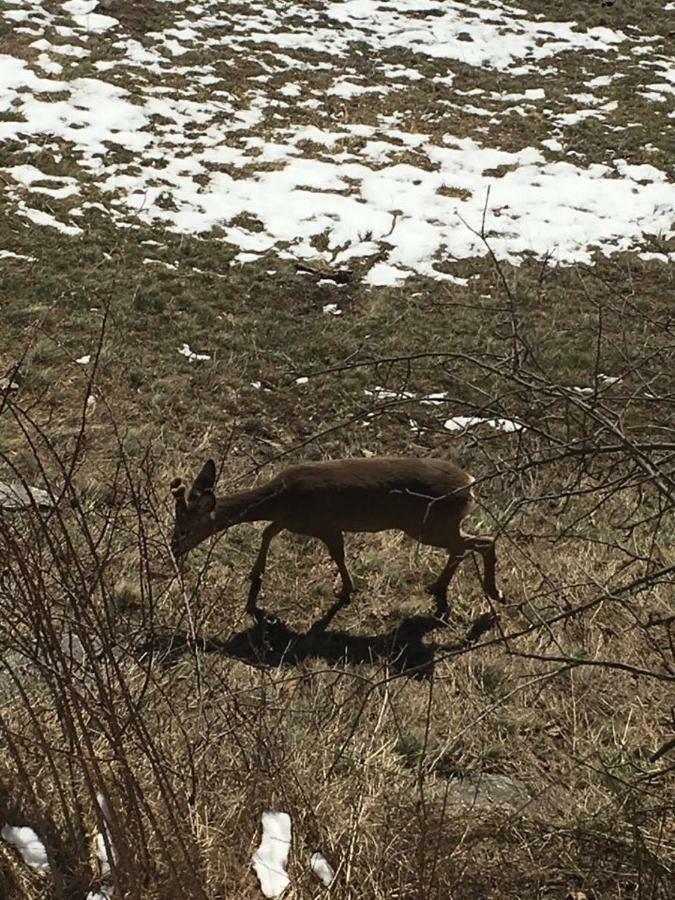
336 547
439 587
459 545
442 532
485 545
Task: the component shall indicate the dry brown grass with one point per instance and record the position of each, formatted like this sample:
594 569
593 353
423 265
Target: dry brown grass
191 742
193 723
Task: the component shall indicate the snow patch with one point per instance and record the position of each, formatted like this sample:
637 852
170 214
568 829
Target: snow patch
8 254
193 357
461 423
322 869
82 13
48 221
29 845
269 860
351 188
102 855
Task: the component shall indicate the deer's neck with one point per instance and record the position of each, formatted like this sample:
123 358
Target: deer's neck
256 505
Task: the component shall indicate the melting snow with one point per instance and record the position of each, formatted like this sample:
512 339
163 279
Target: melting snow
204 158
101 849
83 14
8 254
43 218
29 845
459 423
322 869
16 496
269 860
193 357
498 36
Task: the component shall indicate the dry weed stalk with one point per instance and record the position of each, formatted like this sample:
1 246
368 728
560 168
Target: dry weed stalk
84 713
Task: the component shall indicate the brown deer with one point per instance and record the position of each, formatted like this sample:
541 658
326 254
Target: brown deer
425 498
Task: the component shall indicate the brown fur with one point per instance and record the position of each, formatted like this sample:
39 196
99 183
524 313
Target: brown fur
425 498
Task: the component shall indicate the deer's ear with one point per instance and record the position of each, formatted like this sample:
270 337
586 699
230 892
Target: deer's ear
178 491
207 503
205 482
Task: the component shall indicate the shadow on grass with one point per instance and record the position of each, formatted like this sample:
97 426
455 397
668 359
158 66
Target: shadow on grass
270 642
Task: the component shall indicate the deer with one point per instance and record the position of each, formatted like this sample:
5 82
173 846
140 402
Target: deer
426 499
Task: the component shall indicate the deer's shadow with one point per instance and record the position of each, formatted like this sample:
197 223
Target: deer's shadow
271 642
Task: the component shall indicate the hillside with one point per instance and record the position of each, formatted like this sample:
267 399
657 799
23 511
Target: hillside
268 232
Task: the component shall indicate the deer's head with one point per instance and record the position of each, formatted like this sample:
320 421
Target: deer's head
194 510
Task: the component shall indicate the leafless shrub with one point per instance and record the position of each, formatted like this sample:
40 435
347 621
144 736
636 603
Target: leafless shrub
117 692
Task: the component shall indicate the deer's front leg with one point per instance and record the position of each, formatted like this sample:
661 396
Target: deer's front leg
258 569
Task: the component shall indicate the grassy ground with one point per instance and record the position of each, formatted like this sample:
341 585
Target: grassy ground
192 722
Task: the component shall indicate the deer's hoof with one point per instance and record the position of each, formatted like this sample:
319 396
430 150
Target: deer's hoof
443 615
439 593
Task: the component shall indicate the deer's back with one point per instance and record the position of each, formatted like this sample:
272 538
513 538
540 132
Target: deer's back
370 494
